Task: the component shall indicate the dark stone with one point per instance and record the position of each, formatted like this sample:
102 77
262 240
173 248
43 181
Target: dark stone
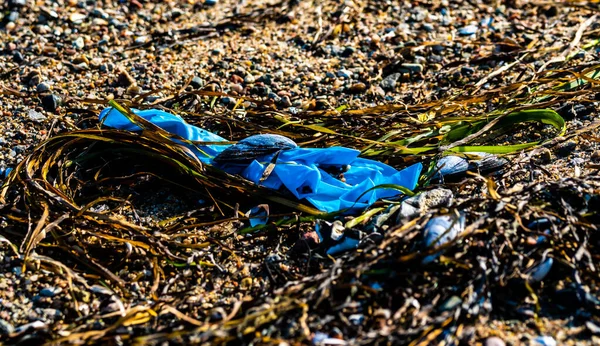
347 52
51 102
18 57
197 82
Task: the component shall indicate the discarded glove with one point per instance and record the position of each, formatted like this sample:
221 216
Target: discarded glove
331 179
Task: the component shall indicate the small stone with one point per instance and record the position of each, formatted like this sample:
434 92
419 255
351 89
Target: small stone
42 88
18 57
50 291
36 116
197 82
566 148
249 79
468 30
357 88
413 68
551 11
210 2
266 79
237 88
51 102
494 341
124 79
596 155
77 18
79 43
344 73
141 39
12 16
389 82
428 27
347 52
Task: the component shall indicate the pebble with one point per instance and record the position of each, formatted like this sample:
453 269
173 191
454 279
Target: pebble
357 88
414 68
237 88
428 27
77 18
141 39
347 52
197 82
18 57
389 82
494 341
50 291
12 17
36 116
210 2
79 43
42 88
567 147
468 30
249 79
51 102
344 73
596 155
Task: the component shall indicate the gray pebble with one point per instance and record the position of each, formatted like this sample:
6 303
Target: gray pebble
197 82
50 291
12 16
79 43
428 27
42 88
414 68
36 116
389 82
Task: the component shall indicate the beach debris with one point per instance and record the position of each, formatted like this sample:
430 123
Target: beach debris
254 147
258 215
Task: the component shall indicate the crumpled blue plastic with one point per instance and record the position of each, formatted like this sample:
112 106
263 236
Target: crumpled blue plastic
300 170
